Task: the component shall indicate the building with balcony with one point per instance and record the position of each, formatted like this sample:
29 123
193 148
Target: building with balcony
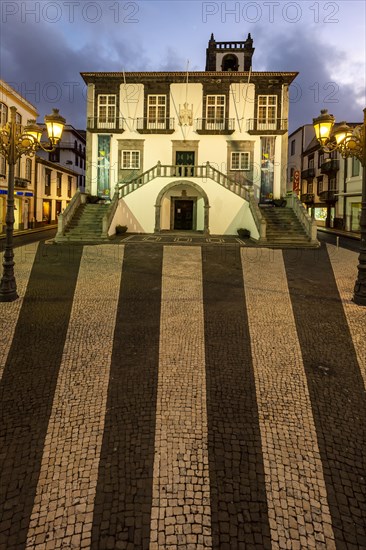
329 186
69 153
24 169
193 151
55 185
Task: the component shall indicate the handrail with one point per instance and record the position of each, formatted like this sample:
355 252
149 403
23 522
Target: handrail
259 219
308 223
183 171
65 217
108 216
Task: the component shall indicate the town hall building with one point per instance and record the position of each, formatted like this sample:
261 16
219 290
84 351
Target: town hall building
188 151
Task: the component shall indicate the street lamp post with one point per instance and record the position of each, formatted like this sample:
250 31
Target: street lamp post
16 141
350 142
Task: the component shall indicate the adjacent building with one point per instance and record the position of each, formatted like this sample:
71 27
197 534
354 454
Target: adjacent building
25 168
186 149
329 186
70 153
45 182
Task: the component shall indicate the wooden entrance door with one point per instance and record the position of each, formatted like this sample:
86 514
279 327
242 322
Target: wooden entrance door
183 214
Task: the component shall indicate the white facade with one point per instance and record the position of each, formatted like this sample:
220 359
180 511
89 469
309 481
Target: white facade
189 146
25 168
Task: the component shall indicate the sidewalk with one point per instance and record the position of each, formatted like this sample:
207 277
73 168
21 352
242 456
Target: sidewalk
182 397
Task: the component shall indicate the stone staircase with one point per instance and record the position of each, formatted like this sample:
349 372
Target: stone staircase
284 230
86 224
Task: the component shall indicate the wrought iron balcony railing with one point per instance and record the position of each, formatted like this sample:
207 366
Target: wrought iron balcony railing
329 165
269 126
307 174
21 182
102 123
307 198
329 195
215 125
149 125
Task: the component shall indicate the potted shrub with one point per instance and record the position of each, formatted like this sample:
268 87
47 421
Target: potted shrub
243 233
120 229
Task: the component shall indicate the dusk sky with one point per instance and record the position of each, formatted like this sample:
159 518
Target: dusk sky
46 44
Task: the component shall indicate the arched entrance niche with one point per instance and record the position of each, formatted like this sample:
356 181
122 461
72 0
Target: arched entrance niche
177 202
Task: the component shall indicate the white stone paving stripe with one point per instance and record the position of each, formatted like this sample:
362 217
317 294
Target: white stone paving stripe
24 259
181 492
344 263
297 501
63 507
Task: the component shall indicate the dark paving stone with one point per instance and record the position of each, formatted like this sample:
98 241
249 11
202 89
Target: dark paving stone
336 389
28 384
124 489
235 453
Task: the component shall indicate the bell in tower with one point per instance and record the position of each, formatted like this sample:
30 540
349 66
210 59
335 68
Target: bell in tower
229 56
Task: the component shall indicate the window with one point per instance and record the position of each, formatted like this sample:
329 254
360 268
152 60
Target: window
355 167
130 160
293 145
156 111
311 162
76 160
215 112
17 169
106 112
292 172
2 165
47 183
59 184
18 118
69 186
320 159
3 114
320 185
28 169
310 188
332 184
240 161
55 156
267 112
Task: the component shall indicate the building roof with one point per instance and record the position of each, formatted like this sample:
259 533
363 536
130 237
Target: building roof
287 77
9 90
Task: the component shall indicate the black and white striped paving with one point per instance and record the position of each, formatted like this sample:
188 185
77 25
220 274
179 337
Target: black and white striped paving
158 396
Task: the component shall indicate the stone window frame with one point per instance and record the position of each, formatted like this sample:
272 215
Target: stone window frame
130 145
239 146
241 154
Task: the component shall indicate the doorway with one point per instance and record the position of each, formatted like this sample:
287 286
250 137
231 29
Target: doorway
185 161
183 214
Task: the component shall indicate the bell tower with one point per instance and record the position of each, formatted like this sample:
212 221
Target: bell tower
229 56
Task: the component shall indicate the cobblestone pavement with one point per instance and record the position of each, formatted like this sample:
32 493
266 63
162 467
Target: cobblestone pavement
157 396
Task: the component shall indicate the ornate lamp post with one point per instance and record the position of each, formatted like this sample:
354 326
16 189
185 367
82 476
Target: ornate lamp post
350 142
16 141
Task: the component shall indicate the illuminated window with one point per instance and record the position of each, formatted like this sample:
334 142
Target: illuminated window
240 161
